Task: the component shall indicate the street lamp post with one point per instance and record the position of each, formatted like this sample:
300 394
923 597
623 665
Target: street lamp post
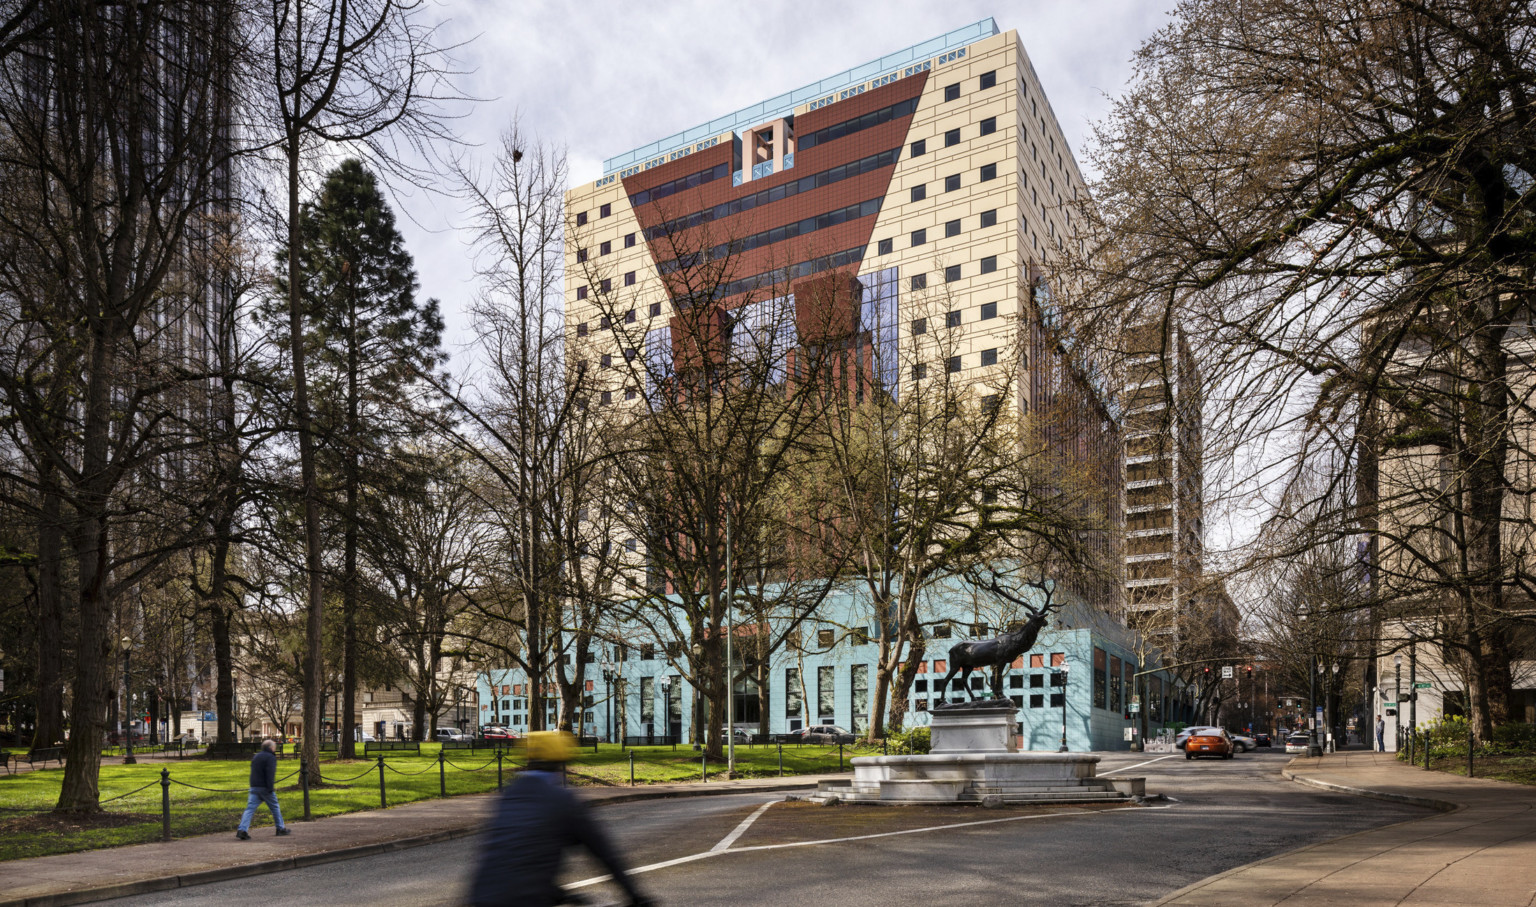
608 685
730 667
1397 702
666 703
128 698
1063 705
1314 747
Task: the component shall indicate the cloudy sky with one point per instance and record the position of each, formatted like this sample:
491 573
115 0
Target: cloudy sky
600 78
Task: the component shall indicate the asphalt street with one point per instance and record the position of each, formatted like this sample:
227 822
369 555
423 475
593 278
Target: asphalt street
1220 814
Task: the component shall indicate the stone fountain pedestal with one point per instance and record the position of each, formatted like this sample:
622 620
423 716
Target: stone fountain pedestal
975 759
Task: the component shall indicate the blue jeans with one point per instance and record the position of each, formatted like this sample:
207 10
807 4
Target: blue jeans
261 795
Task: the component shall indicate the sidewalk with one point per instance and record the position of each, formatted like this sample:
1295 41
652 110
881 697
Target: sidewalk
1479 849
97 875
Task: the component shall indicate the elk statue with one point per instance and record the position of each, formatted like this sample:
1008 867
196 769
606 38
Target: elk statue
965 657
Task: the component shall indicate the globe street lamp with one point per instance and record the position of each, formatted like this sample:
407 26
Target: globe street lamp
1063 705
128 698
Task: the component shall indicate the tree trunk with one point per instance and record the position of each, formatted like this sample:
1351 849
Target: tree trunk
314 657
50 619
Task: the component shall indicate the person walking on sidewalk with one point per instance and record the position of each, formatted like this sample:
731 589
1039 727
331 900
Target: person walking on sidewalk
263 790
1381 735
537 819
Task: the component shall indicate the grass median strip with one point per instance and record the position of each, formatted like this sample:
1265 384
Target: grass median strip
208 795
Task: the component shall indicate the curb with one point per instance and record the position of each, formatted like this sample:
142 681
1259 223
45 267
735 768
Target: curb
1444 806
246 870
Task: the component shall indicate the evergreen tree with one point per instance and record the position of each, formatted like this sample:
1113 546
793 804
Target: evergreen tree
369 341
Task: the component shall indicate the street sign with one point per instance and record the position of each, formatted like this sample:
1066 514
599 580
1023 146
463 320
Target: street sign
1389 705
1226 672
1130 733
209 716
1135 707
1422 685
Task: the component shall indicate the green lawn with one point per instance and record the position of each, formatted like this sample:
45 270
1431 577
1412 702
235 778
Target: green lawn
207 796
1518 769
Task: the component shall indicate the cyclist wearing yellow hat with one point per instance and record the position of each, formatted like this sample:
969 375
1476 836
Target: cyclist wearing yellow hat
536 820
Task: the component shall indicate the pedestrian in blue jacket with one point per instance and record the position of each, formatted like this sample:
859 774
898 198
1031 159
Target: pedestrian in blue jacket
263 790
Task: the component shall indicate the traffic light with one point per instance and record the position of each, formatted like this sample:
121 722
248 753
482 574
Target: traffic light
1207 672
1249 671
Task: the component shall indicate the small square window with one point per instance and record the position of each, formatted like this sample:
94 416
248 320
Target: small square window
884 247
951 273
952 318
988 310
951 183
919 371
952 364
919 147
629 317
606 397
606 360
952 228
607 284
919 192
989 172
989 357
1036 681
988 79
629 393
629 240
952 92
581 292
919 281
604 211
919 325
989 125
581 254
824 638
581 219
919 237
989 264
1036 701
581 329
989 218
989 404
655 309
952 137
629 279
604 247
604 323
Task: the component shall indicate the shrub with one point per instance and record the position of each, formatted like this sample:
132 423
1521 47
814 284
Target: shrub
912 742
1513 738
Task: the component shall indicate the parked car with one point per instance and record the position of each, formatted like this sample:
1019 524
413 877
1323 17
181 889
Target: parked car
742 736
448 734
826 733
496 732
1209 741
1297 743
1263 740
1243 742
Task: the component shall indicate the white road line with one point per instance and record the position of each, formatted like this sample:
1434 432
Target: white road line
746 823
717 851
1126 768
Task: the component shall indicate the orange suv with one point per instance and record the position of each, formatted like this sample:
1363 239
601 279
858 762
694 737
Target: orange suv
1210 741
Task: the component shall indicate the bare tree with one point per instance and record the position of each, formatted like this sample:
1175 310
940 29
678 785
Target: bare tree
359 73
1333 199
113 150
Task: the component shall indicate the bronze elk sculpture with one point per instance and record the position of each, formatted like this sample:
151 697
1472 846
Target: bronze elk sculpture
965 657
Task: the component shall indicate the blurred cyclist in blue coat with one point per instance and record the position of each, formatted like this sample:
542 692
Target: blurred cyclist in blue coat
537 819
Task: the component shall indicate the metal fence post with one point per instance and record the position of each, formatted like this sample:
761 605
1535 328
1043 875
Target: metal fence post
839 756
442 779
781 758
631 768
304 785
382 803
704 766
1426 751
1469 746
498 768
165 804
